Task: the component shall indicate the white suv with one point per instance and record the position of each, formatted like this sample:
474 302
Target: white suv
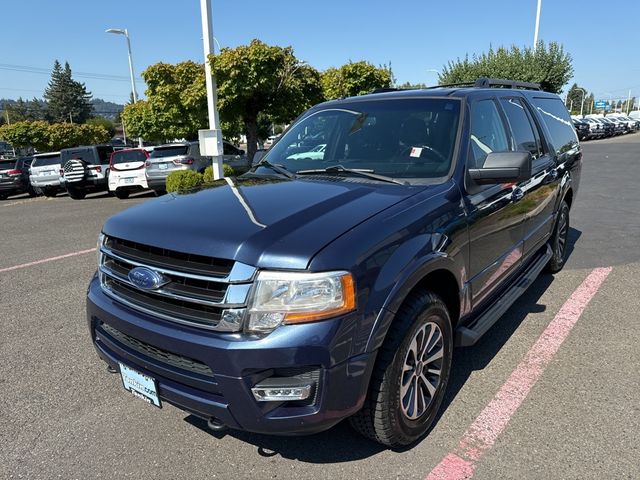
44 173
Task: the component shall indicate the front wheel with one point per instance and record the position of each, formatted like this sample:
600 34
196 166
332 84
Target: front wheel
559 240
411 373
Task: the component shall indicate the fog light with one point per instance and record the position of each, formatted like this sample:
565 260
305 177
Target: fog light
281 393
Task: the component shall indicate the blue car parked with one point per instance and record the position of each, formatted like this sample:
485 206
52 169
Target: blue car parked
323 287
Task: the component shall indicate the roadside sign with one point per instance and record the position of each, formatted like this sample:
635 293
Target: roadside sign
600 105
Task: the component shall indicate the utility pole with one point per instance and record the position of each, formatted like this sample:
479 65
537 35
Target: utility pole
535 35
6 113
628 101
211 139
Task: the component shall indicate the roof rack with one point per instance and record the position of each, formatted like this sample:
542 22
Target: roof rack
485 82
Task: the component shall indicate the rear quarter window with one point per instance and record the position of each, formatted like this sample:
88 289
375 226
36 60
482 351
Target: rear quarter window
557 119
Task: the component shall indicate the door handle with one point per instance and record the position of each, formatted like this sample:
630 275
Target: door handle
517 194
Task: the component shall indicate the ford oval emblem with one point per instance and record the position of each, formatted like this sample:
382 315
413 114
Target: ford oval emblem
147 279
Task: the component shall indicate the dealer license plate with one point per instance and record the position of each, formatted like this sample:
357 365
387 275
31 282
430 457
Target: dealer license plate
140 385
162 166
129 180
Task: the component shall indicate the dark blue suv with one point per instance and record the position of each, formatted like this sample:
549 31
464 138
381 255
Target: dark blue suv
334 279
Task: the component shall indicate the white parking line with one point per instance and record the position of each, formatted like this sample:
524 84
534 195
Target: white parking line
45 260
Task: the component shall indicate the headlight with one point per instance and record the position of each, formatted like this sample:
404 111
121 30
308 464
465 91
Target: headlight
101 238
292 297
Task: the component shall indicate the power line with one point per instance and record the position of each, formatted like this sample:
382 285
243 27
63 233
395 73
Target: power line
47 71
124 96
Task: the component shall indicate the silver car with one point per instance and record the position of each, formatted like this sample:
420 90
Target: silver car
45 173
170 158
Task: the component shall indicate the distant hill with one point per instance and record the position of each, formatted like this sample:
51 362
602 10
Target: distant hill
101 108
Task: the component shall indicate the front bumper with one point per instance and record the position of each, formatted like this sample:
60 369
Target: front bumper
237 364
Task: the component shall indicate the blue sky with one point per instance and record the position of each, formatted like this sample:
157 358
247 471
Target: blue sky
415 36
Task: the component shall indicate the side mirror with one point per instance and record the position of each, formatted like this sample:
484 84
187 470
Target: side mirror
503 167
258 156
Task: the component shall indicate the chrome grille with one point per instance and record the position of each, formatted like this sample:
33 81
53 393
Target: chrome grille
201 291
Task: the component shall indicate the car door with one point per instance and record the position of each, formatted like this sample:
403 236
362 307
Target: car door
538 194
495 218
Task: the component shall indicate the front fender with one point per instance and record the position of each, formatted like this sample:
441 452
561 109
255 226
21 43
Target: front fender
405 283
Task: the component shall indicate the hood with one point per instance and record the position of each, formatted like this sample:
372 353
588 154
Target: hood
264 222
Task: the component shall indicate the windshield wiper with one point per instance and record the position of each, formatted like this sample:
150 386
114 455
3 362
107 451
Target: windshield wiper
363 172
276 168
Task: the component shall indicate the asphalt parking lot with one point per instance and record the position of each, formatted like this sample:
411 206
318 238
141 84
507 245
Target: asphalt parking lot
63 416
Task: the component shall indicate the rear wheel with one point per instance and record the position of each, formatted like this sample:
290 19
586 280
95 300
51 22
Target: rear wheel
122 194
3 196
76 193
49 192
159 191
559 240
411 374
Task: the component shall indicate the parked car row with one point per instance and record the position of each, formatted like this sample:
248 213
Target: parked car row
95 168
597 126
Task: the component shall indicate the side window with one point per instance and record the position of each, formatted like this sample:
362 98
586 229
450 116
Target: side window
555 116
229 149
487 132
521 128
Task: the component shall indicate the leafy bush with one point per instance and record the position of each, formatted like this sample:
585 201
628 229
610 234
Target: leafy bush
49 137
208 172
183 180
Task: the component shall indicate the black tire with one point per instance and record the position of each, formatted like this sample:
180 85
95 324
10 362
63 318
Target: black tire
49 192
76 194
383 417
159 191
122 194
3 196
32 191
559 239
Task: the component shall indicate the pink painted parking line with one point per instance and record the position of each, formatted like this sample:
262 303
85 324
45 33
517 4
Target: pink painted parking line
46 260
484 431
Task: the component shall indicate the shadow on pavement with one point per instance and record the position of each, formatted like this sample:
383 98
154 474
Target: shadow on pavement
342 444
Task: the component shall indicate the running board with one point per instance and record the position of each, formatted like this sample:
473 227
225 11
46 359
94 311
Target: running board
470 334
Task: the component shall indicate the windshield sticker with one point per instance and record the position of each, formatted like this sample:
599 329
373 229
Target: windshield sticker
415 152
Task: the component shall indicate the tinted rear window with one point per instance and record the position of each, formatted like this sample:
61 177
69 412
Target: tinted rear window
46 161
126 156
7 164
555 116
160 152
86 154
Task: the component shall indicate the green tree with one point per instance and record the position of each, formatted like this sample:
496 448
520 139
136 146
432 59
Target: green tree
548 65
26 134
574 100
176 104
354 78
43 136
68 100
260 79
108 125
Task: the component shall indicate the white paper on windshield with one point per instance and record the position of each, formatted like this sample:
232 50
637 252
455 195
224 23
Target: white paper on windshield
416 152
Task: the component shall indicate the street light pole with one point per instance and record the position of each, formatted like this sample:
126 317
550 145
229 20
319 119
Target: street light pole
535 35
125 32
584 92
211 139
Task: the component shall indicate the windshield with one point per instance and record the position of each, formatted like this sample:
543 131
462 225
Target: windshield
46 161
400 138
126 156
171 151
